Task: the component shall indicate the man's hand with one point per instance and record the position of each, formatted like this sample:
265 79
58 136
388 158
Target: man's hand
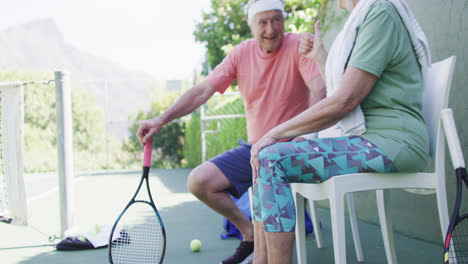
148 128
311 46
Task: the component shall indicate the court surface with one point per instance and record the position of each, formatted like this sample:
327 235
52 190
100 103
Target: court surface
99 198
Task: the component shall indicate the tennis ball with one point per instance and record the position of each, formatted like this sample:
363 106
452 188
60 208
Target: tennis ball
195 245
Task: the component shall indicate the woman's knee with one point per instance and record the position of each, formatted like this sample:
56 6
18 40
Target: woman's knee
266 155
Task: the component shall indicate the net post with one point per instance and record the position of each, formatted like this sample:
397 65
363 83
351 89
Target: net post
64 150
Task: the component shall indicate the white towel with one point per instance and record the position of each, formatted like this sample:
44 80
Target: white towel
256 6
354 122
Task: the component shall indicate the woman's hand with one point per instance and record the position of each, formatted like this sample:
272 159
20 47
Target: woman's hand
265 141
310 45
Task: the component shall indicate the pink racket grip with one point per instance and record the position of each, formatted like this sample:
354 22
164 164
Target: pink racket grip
147 153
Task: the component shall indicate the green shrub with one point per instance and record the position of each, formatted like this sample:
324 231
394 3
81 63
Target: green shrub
222 135
168 142
192 141
40 128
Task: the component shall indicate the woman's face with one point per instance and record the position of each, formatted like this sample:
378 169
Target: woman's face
347 4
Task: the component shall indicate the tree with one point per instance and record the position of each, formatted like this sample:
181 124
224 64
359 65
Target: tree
169 141
226 25
40 129
221 29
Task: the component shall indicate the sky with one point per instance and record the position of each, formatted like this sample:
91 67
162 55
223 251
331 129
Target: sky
153 36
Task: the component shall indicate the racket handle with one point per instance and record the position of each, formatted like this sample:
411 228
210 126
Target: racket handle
147 153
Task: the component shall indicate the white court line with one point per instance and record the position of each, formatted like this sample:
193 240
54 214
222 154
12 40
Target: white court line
54 189
39 196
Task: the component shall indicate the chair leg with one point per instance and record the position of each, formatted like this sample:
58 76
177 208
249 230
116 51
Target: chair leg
300 230
386 225
315 223
251 204
338 227
354 227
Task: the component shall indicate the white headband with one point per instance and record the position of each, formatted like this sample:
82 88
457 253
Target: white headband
256 6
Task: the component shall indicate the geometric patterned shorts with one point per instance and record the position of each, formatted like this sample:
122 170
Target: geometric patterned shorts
308 161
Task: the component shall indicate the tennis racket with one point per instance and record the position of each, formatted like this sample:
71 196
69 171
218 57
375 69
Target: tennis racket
138 234
456 239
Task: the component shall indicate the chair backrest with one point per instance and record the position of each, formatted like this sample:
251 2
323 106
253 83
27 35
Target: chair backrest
435 98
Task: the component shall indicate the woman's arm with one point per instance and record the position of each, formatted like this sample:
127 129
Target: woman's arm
355 85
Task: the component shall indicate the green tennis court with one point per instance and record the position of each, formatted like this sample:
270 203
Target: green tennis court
99 198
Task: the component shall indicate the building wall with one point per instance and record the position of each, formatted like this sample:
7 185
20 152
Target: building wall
446 26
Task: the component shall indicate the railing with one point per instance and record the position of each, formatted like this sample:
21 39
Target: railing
214 116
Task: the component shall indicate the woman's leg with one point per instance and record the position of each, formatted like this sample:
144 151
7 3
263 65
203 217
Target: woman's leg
260 247
309 161
270 248
279 247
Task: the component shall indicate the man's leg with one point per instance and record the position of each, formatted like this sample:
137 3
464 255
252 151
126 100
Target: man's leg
209 184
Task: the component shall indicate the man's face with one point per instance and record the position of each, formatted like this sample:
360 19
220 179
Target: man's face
268 29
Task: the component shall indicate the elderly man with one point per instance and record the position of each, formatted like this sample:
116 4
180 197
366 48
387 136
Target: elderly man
276 83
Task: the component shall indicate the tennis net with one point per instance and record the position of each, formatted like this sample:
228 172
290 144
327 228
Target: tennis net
13 205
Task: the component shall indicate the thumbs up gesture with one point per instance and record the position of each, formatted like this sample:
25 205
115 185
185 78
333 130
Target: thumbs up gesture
311 45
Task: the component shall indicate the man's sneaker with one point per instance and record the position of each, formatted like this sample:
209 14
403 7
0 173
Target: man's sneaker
244 250
249 259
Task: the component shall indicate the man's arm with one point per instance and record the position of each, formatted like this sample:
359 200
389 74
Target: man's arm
186 104
312 47
189 101
317 89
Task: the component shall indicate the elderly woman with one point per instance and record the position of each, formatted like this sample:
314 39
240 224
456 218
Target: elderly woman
374 74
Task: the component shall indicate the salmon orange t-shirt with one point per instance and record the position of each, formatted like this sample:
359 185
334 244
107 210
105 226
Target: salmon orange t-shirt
272 85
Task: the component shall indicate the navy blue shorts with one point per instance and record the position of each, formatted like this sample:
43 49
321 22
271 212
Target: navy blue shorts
235 164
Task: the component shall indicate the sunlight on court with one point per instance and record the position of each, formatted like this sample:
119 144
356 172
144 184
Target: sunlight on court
98 200
164 197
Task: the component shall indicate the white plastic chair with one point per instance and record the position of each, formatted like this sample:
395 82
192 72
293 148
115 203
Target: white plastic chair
435 99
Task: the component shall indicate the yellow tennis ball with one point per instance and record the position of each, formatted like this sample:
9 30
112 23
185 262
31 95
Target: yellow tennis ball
195 245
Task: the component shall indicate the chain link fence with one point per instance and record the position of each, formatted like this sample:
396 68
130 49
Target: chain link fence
222 124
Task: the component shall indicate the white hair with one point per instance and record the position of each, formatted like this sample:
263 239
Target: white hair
256 6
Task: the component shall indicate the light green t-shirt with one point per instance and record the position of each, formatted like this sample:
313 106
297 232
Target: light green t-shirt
393 108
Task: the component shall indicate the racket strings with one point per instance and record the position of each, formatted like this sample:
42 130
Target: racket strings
141 236
458 252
